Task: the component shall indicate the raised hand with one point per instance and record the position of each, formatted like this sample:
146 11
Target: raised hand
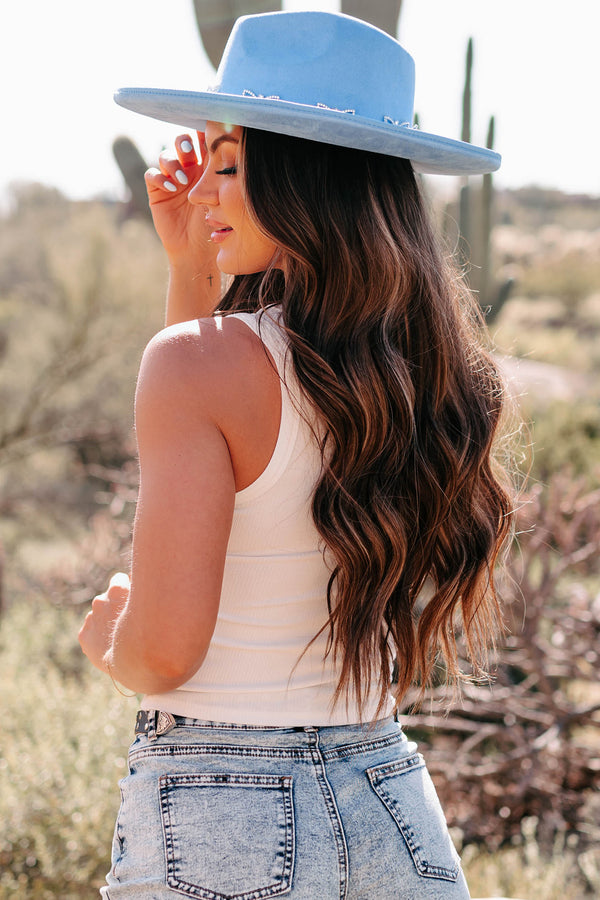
179 224
195 285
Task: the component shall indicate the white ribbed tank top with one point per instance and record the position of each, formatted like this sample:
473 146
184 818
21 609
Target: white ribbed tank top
273 599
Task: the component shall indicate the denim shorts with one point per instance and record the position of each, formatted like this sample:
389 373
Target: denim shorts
232 812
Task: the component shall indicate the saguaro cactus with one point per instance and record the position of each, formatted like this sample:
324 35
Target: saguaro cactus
476 215
382 13
215 20
485 230
132 166
465 135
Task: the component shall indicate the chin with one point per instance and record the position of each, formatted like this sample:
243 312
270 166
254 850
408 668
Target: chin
230 263
228 268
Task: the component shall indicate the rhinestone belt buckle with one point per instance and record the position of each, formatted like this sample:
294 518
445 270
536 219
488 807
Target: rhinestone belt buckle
165 722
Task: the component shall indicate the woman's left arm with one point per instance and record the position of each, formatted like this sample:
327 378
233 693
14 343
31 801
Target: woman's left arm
160 635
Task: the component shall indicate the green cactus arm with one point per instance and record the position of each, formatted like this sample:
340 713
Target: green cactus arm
132 166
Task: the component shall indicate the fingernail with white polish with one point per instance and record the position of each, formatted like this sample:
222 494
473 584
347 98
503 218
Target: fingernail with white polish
186 147
181 177
168 186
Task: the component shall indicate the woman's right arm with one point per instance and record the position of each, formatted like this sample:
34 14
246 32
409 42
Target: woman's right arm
194 280
151 635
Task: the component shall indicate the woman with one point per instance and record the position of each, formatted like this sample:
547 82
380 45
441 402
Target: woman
315 459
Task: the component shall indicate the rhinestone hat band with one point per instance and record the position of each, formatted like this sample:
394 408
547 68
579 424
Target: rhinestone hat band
352 112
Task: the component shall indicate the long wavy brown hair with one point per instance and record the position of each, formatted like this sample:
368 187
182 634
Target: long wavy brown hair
386 345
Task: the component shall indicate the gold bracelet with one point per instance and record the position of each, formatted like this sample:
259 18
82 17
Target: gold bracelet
116 686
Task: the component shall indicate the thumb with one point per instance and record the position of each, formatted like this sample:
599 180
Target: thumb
120 579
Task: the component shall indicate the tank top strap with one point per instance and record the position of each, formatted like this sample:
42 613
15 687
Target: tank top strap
265 324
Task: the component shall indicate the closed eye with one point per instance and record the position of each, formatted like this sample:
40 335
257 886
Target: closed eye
232 170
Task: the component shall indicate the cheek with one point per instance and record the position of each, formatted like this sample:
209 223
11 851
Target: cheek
265 249
255 246
253 250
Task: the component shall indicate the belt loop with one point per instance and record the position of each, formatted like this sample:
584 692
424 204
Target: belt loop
151 732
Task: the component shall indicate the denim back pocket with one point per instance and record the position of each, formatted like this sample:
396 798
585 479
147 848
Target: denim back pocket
228 836
406 789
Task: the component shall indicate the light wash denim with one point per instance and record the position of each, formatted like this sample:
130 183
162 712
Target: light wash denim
230 812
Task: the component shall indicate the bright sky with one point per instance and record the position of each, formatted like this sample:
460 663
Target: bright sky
535 68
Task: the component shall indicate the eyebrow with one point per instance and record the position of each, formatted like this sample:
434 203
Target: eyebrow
221 139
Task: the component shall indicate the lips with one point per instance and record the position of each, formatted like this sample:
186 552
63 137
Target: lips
218 231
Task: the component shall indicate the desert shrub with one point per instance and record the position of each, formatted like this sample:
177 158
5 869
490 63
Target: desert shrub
553 313
79 297
531 208
565 437
81 292
544 330
524 871
525 747
571 276
66 731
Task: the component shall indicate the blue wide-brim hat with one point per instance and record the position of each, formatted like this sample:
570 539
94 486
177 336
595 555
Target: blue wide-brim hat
323 76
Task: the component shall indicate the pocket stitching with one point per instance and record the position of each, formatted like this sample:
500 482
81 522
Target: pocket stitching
283 783
377 775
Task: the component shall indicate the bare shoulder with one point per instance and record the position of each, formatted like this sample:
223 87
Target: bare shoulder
205 361
210 373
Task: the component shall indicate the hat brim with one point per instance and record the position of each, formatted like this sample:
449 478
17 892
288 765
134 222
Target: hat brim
429 153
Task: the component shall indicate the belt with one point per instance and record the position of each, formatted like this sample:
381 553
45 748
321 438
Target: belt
154 722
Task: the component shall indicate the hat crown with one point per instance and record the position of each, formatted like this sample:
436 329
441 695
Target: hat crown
319 59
